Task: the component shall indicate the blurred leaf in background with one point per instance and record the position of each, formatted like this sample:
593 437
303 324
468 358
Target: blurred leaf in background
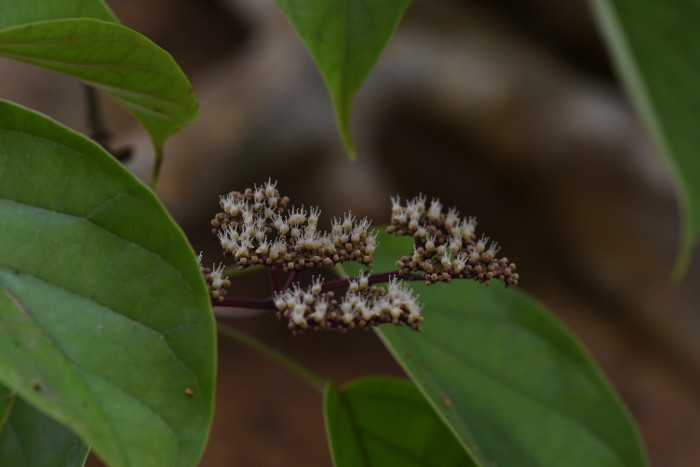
345 39
83 40
656 47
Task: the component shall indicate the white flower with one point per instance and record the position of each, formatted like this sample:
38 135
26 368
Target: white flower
459 263
467 227
269 187
416 255
218 280
320 309
363 279
396 205
297 316
281 224
493 249
297 216
227 243
481 244
316 285
430 243
248 217
435 209
371 243
451 219
455 243
445 260
313 216
348 221
231 205
277 249
264 248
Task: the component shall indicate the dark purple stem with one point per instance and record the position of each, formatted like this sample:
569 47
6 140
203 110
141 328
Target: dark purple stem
272 275
373 279
293 277
269 304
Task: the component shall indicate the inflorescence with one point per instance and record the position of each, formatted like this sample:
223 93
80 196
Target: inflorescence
257 227
362 305
445 245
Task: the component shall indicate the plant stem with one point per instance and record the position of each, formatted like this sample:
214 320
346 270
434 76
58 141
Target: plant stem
373 279
311 378
96 125
292 278
158 160
269 304
272 274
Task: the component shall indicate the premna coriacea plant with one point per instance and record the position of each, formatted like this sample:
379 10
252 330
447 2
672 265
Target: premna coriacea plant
257 227
108 330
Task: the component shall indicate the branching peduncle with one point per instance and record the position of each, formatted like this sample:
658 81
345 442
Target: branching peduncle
267 303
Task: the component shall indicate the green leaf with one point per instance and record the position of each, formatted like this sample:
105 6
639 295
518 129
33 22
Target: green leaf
345 39
120 62
6 399
18 12
29 438
511 383
105 321
380 422
656 46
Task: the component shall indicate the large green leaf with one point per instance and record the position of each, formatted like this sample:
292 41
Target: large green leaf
345 40
28 438
117 60
18 12
382 422
105 322
656 46
511 383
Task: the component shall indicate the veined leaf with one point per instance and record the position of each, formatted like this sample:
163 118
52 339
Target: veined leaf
382 422
124 64
28 438
656 47
345 39
511 383
105 321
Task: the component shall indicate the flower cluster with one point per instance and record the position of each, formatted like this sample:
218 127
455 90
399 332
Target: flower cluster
217 283
363 305
445 245
256 227
259 227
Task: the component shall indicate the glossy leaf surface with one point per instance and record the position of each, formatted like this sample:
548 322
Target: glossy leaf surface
117 60
28 438
511 382
379 422
345 39
105 322
656 47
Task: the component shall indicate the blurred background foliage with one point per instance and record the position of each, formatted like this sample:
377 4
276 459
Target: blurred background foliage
509 110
